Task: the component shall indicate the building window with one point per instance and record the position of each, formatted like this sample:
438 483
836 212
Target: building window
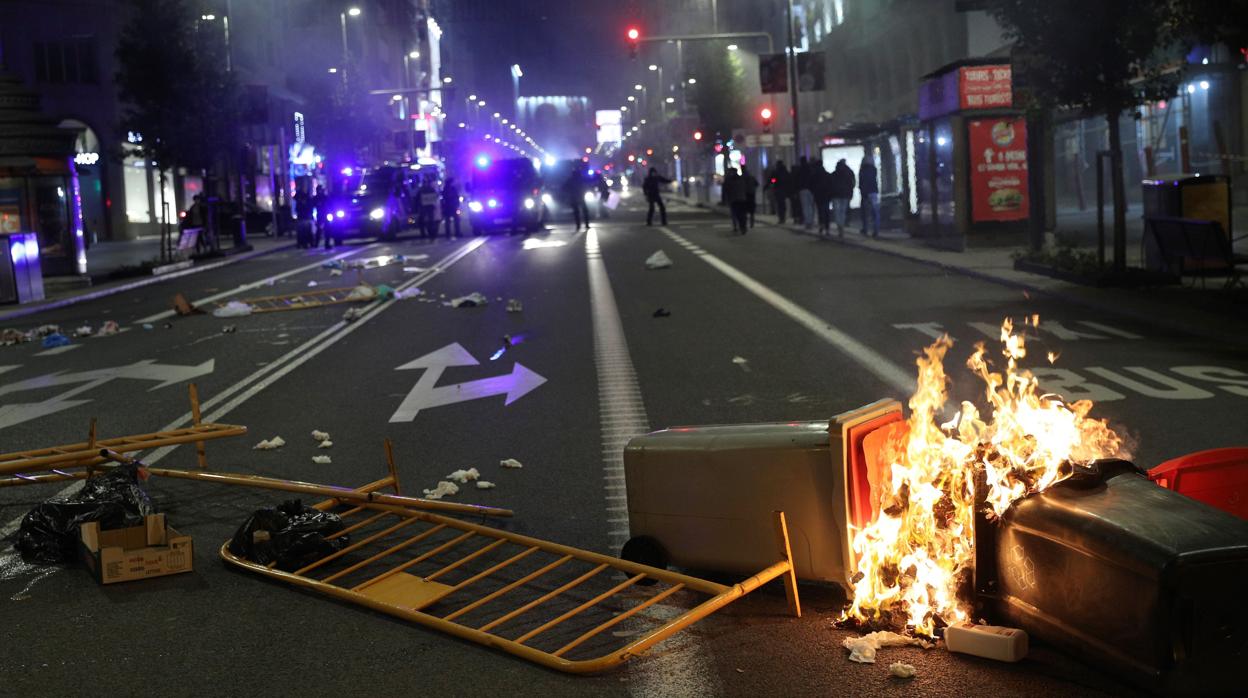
68 61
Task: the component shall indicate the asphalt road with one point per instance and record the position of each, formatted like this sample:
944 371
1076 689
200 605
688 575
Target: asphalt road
769 326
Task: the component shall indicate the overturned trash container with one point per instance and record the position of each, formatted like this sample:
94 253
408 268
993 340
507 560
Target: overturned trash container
1126 575
702 497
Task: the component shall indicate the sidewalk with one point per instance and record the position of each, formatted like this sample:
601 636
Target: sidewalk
1214 312
105 258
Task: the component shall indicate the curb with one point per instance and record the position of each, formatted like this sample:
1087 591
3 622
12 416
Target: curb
1145 317
140 283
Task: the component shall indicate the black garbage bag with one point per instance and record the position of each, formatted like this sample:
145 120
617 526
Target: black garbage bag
291 534
113 497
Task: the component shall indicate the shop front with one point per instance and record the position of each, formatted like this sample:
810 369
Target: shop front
39 186
970 158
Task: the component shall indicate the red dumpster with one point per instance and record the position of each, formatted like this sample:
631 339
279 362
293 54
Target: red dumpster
1218 477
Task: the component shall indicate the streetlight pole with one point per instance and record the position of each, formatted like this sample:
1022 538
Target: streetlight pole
342 19
791 60
516 74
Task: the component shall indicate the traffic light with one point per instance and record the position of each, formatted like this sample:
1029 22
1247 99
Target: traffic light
697 135
765 115
634 41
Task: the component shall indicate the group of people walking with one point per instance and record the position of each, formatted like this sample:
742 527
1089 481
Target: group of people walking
739 193
818 197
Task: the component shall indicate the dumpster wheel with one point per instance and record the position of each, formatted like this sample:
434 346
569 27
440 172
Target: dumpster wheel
645 550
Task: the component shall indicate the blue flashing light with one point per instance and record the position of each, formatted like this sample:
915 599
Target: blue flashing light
483 161
492 203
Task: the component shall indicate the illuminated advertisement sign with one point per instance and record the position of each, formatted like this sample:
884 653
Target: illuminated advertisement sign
998 154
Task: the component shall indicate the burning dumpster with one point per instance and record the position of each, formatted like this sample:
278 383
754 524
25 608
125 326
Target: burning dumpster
1026 514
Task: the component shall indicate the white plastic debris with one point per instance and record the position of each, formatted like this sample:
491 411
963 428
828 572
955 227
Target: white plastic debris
363 292
463 476
108 329
335 272
902 670
863 649
352 314
325 444
485 485
84 331
514 306
658 260
233 309
443 489
510 463
269 444
318 435
321 460
472 300
312 284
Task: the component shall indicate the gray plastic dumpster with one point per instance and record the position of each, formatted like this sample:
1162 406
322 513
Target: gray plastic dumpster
702 497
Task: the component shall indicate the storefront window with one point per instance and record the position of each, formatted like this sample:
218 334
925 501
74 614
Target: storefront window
12 205
52 213
137 192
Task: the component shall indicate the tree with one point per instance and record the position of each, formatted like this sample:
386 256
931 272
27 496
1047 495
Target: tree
1104 57
719 92
177 94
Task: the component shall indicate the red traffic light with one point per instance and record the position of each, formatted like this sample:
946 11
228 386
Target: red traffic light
765 112
634 38
634 33
697 135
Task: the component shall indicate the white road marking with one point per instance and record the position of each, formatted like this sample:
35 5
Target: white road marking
1107 329
200 302
623 415
868 358
59 350
266 376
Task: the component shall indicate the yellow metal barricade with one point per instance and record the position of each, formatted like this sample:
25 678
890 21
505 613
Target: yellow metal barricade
547 603
312 298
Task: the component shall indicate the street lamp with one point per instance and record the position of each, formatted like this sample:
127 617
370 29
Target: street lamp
516 74
342 20
447 80
732 47
413 55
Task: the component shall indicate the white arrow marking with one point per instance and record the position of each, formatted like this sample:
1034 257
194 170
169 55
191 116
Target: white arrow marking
146 369
425 394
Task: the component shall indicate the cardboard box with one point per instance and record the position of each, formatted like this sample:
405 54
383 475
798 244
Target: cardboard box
139 552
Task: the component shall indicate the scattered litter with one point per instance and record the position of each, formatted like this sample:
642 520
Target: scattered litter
414 270
54 340
353 314
363 292
862 649
514 306
485 485
742 362
168 326
376 262
740 670
320 435
312 284
49 532
902 670
662 312
335 264
471 300
9 337
384 291
325 444
232 309
658 260
292 535
443 489
321 460
84 331
510 463
463 476
269 444
108 329
229 329
148 326
183 307
335 272
409 293
498 299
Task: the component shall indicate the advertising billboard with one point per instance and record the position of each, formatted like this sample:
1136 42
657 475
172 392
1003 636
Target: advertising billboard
998 158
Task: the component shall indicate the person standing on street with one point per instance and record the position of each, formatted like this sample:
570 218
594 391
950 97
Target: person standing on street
842 189
319 205
869 185
573 190
822 191
777 186
652 188
751 193
450 206
794 192
427 197
738 201
805 182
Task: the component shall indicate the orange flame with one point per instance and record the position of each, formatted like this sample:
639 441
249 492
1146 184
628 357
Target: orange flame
914 556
